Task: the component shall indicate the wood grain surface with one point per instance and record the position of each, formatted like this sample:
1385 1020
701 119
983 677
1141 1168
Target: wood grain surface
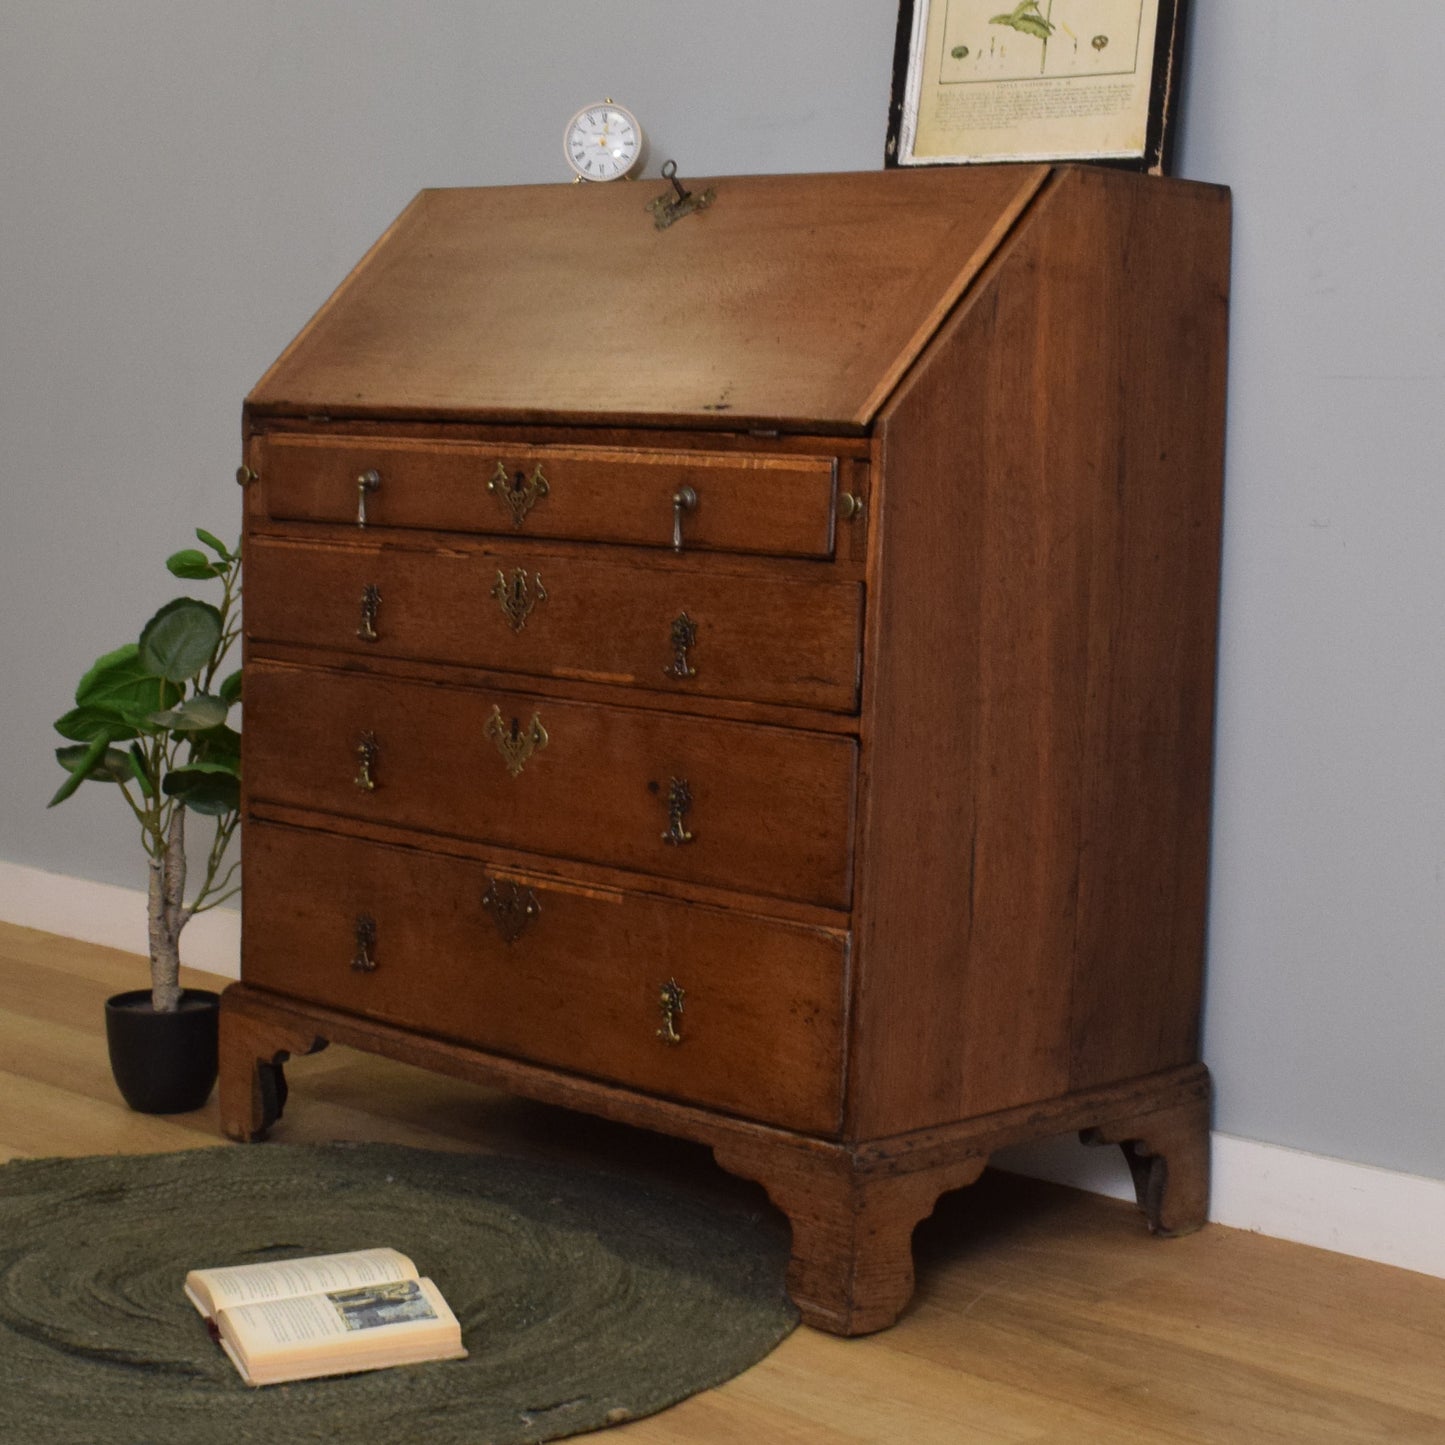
1038 696
791 299
607 619
760 1023
771 809
768 503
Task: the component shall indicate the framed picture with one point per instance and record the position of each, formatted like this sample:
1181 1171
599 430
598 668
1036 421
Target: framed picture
1040 80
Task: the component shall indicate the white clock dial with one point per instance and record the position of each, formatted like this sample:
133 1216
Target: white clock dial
602 142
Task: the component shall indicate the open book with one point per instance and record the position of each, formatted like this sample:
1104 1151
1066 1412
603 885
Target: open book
332 1314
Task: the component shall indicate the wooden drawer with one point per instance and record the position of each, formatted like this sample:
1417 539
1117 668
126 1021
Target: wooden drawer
613 620
770 809
580 987
745 502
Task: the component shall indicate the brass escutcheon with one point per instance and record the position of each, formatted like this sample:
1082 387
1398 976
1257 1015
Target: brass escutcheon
516 493
515 745
512 907
679 802
364 932
366 753
670 998
684 638
370 601
518 597
673 206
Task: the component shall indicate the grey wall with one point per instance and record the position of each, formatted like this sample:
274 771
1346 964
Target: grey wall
183 181
1327 951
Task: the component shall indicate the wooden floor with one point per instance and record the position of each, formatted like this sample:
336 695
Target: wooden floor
1042 1314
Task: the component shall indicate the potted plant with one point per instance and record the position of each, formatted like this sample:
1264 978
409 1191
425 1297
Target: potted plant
165 696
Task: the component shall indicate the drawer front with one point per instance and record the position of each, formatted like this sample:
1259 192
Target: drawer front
761 809
610 620
739 502
720 1009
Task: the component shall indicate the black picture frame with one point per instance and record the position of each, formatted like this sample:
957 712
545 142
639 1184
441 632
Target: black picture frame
1157 155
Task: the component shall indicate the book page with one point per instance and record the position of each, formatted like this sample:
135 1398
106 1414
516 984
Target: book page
282 1324
213 1290
288 1324
345 1330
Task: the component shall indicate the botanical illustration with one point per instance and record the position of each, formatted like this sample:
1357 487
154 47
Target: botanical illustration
1025 17
1050 38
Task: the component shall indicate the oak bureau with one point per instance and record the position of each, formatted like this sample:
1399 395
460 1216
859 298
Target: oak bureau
753 678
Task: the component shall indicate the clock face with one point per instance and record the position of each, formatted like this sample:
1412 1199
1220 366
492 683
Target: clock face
602 142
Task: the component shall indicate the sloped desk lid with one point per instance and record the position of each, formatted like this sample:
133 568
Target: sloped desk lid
793 301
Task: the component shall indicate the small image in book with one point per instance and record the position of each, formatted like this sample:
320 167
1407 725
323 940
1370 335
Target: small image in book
387 1304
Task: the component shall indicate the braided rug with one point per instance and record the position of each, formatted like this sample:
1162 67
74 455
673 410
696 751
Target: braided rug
584 1299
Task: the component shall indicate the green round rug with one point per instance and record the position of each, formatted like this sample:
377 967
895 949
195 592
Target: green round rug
585 1299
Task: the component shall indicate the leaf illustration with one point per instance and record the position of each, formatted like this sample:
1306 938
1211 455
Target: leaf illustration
1026 17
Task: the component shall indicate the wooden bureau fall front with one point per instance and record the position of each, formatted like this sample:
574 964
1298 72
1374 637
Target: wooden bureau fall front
753 679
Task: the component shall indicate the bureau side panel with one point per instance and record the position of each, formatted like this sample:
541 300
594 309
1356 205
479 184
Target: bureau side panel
1039 680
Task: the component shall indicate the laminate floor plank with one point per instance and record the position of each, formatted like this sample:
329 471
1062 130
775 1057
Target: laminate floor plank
1043 1316
40 1121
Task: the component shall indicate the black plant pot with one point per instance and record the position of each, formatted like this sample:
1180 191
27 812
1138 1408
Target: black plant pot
164 1063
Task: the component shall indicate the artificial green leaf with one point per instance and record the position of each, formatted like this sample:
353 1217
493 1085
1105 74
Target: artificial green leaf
220 745
123 657
180 639
79 760
216 545
193 565
187 773
82 724
119 685
231 687
206 788
139 771
112 765
194 715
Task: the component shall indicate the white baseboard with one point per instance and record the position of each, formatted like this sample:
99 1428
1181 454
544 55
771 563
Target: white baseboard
116 917
1308 1198
1347 1208
1357 1209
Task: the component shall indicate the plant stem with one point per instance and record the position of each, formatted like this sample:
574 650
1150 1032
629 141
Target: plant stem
164 944
162 819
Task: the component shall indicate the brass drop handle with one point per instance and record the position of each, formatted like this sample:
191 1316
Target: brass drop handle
684 499
366 482
366 756
370 602
670 998
364 932
679 804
